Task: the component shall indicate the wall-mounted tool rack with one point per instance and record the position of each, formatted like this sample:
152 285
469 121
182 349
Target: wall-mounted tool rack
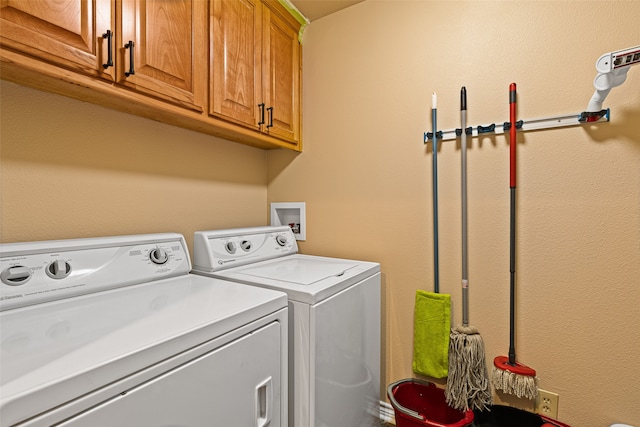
523 125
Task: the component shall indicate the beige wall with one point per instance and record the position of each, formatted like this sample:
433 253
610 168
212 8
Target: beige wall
71 169
365 175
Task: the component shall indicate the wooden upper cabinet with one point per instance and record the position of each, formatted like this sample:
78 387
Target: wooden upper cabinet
281 77
236 69
162 49
229 68
255 69
68 33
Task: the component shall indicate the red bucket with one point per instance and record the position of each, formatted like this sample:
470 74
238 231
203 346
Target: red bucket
418 403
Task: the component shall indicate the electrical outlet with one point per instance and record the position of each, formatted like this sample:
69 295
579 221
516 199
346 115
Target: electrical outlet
547 404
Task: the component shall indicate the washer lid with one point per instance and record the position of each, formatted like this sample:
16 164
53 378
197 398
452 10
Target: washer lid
305 278
300 271
55 352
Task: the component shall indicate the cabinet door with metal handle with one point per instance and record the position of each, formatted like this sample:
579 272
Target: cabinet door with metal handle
164 54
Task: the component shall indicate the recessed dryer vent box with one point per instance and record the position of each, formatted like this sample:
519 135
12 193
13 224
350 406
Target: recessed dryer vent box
292 214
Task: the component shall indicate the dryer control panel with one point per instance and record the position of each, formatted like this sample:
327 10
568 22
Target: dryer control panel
37 272
220 249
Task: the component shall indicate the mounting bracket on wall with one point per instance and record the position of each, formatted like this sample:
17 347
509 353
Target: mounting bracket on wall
524 125
612 70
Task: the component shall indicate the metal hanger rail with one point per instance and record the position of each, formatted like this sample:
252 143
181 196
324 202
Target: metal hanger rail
523 125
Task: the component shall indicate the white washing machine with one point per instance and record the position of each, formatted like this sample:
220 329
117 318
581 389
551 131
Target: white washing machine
334 327
116 332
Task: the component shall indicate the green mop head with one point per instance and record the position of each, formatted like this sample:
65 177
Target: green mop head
468 381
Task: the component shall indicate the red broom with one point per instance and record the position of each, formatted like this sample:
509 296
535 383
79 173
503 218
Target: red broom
508 375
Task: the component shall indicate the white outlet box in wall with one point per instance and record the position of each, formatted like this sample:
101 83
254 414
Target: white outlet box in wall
292 214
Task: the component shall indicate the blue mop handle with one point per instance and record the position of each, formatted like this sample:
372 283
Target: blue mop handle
436 273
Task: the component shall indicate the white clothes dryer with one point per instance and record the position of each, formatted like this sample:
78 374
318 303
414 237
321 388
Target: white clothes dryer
334 327
116 332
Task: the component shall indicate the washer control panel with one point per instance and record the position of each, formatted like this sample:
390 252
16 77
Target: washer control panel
37 272
220 249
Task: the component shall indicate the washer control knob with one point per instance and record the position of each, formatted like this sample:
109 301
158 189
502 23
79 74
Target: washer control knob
230 247
246 245
281 239
58 269
16 275
158 256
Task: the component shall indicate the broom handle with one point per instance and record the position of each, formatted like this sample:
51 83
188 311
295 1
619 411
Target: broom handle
512 251
465 259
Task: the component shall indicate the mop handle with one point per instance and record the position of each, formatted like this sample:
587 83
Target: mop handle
512 251
436 274
465 259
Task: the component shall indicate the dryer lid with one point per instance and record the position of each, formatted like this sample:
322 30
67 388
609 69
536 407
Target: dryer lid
55 352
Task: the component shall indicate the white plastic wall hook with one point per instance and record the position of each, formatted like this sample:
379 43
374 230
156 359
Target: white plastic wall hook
612 70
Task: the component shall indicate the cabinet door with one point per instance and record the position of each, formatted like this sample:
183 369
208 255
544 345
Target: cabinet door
235 72
167 55
281 77
68 33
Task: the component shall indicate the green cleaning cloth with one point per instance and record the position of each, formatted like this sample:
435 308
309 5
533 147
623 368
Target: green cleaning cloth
431 329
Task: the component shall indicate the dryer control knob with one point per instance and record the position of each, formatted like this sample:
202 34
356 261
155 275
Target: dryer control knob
58 269
230 247
281 239
16 275
158 256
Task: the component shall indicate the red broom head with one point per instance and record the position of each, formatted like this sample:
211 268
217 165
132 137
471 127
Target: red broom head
502 362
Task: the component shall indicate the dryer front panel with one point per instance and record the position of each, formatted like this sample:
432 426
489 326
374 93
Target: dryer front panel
238 384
